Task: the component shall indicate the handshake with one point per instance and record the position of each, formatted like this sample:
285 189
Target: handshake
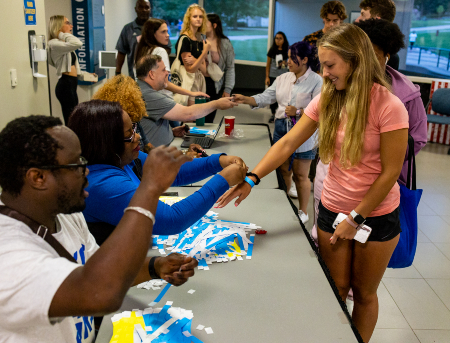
234 169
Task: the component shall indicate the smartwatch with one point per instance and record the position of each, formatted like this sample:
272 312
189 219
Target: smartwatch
358 219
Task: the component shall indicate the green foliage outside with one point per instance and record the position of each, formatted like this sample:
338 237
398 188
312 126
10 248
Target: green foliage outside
233 14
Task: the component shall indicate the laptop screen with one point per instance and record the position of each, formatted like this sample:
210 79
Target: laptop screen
218 128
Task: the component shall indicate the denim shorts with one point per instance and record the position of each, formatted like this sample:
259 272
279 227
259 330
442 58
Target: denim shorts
384 227
280 131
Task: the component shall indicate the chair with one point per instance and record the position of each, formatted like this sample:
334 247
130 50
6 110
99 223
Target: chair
440 103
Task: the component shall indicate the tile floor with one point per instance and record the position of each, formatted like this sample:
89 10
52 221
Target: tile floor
415 301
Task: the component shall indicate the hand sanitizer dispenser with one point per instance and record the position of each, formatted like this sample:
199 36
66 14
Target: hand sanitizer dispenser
38 52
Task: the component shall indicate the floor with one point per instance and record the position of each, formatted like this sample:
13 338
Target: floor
414 302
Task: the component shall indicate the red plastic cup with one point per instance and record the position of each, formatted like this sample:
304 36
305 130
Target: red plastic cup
229 125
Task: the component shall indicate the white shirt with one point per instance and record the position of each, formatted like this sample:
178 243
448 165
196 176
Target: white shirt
288 90
32 272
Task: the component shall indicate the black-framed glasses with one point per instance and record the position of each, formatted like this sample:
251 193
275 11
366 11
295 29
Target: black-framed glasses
134 127
82 164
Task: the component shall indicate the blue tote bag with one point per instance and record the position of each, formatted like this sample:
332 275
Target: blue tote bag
403 255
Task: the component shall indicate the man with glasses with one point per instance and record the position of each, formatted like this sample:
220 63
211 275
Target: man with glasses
54 275
152 75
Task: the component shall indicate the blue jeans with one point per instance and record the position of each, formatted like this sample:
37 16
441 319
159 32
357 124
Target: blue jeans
280 131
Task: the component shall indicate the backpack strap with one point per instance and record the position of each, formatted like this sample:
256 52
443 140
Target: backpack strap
39 230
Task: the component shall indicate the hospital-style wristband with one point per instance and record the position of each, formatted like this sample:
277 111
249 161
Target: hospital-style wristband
249 181
143 211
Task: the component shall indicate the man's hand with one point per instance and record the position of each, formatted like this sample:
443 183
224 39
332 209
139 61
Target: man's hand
234 174
179 131
225 95
267 81
225 161
175 268
225 103
161 167
241 191
199 94
290 111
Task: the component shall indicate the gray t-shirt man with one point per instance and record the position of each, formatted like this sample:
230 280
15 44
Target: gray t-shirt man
156 128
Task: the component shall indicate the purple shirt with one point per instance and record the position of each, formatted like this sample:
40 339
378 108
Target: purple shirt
409 94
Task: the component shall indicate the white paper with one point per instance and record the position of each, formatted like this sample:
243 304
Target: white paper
209 331
200 327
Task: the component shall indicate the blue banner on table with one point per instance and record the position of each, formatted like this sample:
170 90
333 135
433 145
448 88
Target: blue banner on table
30 12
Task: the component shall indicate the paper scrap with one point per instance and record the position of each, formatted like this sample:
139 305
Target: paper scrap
200 327
209 331
191 291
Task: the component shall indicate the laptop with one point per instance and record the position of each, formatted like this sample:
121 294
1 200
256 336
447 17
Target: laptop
204 142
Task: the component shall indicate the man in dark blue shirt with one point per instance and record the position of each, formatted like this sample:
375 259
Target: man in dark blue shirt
126 45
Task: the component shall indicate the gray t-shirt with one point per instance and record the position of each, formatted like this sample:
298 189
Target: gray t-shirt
157 104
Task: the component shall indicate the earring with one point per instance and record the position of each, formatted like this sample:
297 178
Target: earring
120 160
387 59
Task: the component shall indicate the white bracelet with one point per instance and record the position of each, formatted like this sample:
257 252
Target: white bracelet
143 211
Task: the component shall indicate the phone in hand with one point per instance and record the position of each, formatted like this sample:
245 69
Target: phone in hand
362 232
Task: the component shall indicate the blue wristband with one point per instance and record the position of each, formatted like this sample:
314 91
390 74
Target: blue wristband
249 181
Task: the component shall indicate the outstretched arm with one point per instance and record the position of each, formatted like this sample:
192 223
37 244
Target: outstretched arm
274 158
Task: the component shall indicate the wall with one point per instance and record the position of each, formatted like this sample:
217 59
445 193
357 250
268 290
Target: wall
117 14
30 96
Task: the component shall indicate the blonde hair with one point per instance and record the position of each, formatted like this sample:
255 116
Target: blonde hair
186 28
55 24
355 48
125 91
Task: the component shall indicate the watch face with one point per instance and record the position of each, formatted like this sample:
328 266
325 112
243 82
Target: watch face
359 219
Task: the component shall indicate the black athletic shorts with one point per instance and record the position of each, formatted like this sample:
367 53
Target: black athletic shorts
384 227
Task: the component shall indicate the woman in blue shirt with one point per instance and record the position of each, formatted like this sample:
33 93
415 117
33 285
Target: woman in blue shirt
110 143
293 91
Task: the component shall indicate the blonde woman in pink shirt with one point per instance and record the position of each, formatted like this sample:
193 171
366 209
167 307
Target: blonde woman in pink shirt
363 134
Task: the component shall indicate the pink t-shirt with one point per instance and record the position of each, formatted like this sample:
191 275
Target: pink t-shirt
344 189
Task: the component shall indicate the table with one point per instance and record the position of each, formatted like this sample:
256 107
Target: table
251 148
280 295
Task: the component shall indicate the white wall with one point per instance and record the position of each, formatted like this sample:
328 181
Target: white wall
30 96
117 14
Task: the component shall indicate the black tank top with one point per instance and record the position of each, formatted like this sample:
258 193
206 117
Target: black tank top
74 57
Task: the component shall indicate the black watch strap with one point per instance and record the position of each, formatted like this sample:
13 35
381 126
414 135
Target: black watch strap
258 180
151 268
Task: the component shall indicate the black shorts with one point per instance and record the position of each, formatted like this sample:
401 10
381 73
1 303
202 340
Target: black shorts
384 227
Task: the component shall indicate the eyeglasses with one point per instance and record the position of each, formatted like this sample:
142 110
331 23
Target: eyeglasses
68 23
82 164
129 140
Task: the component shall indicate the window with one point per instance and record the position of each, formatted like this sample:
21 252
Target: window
246 23
428 51
173 13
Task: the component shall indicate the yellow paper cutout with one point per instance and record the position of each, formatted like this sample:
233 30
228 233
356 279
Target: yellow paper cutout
123 329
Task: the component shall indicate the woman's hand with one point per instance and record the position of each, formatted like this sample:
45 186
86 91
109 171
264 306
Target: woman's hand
290 111
225 95
343 231
189 59
241 191
267 81
206 45
195 150
238 98
199 94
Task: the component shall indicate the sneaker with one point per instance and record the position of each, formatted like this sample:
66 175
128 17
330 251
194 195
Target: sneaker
303 216
272 119
293 192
